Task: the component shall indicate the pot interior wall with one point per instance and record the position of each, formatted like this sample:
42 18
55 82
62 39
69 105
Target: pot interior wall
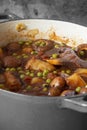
41 29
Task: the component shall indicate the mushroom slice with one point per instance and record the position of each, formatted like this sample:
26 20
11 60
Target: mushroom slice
74 81
37 64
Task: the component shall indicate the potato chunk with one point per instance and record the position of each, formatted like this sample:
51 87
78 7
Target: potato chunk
37 64
75 81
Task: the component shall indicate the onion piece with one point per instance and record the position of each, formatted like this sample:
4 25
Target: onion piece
37 64
54 61
75 81
81 72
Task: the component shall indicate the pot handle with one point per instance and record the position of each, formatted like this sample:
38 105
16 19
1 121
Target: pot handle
8 17
77 103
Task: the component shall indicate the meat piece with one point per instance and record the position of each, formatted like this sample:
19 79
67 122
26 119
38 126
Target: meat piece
12 82
37 64
12 47
10 61
68 58
43 45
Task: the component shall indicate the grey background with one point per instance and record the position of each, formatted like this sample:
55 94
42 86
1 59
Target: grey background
67 10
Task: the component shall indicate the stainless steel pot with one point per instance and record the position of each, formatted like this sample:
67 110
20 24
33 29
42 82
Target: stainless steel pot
21 112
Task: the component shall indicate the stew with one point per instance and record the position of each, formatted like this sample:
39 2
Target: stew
43 67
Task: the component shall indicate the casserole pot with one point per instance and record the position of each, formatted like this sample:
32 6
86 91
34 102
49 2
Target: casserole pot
22 112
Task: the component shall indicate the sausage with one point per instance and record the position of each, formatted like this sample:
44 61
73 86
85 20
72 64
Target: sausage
58 82
54 91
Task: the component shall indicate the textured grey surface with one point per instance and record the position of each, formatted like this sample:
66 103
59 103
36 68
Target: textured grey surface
67 10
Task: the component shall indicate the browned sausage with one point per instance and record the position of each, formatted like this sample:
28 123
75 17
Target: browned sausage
54 91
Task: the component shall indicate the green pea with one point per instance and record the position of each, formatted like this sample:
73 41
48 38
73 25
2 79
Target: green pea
27 43
22 76
21 71
81 53
30 41
13 69
7 69
14 54
33 52
32 74
19 68
48 81
55 72
18 56
73 48
44 85
39 74
68 71
27 73
28 87
54 55
56 46
45 89
42 44
25 56
62 71
78 89
37 43
62 44
45 72
21 42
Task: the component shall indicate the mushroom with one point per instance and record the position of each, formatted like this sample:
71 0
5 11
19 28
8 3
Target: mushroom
54 91
58 82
